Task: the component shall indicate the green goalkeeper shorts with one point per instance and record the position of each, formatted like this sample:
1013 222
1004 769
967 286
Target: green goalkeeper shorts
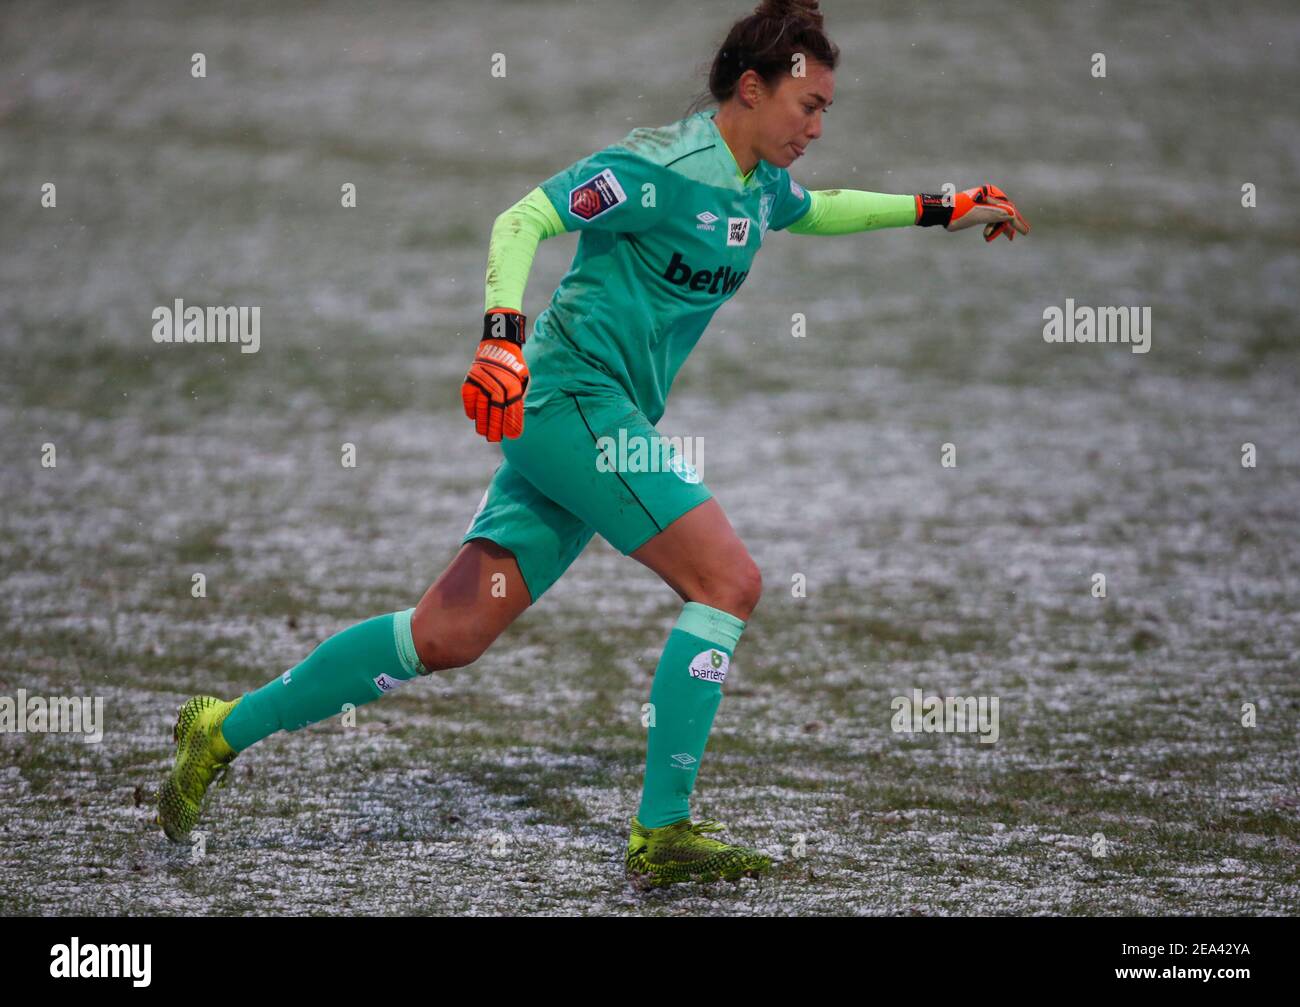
587 462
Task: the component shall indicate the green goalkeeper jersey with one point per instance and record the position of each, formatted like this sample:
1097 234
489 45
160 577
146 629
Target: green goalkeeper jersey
669 229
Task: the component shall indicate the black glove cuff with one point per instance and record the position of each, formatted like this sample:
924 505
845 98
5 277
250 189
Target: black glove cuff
933 212
510 325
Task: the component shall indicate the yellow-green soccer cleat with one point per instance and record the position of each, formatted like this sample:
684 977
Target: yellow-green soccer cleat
201 753
681 852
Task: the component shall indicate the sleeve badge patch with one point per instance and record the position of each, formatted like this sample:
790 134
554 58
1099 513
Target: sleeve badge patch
796 189
596 195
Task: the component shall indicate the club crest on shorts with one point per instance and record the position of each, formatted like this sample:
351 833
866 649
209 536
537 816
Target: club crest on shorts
710 665
683 469
737 230
597 195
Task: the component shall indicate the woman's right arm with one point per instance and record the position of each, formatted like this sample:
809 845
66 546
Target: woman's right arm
515 236
493 390
614 189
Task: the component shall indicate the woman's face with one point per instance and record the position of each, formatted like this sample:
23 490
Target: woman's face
790 116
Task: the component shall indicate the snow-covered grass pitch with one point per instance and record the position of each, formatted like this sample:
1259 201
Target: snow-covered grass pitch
1123 779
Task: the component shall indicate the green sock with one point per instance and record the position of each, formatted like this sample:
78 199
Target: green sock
684 697
356 665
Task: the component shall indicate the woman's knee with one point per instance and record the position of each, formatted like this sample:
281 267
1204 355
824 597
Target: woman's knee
481 592
441 647
453 636
734 587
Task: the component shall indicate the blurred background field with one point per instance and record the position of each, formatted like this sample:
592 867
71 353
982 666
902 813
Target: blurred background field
1118 716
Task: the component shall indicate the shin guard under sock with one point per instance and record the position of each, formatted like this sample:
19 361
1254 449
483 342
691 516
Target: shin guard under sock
684 697
356 665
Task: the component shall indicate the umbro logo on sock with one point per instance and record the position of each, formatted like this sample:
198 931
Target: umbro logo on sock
684 760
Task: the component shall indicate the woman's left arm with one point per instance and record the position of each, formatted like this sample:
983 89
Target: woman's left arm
846 211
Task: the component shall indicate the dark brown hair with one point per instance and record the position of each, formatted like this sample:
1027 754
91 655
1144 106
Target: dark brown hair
766 42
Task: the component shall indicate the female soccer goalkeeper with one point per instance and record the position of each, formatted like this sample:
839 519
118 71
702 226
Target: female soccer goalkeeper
671 220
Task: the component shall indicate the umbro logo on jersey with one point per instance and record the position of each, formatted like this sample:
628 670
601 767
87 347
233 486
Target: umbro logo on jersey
596 195
737 230
680 273
706 221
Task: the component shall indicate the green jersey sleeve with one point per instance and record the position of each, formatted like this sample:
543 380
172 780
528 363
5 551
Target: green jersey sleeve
512 247
613 190
792 202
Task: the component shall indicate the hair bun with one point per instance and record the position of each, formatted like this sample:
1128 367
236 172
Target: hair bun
767 42
808 10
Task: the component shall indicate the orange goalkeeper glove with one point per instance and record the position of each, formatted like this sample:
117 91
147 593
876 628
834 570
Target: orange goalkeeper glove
984 204
493 391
